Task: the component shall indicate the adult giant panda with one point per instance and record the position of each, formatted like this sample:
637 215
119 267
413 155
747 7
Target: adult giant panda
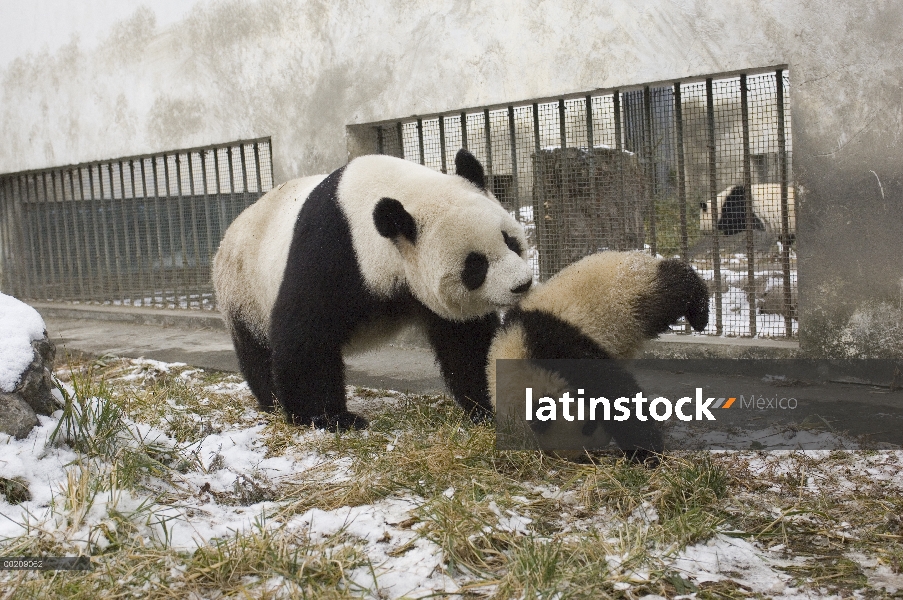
766 209
335 263
604 306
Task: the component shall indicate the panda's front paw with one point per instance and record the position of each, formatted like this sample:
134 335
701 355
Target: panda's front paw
340 422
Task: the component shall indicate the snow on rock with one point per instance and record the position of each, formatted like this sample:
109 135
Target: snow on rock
19 325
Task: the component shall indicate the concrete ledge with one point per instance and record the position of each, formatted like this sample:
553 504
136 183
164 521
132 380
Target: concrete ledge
674 345
670 345
160 317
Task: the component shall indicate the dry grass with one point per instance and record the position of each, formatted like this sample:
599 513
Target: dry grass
507 524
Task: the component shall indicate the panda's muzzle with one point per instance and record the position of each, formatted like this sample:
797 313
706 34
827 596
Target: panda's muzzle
522 287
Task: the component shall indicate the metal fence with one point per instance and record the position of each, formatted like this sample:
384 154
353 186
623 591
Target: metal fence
137 231
695 169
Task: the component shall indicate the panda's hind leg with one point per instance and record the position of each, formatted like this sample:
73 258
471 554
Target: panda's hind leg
256 362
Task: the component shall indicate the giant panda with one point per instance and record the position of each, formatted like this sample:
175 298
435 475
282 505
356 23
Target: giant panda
331 264
604 306
766 209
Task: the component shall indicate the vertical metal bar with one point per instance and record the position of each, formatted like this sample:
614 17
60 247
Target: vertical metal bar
380 142
159 205
785 206
150 227
231 164
537 145
18 226
41 267
195 238
512 138
487 133
244 180
747 182
681 174
208 220
54 208
420 141
626 211
185 273
713 203
591 156
129 267
464 130
116 255
221 202
32 224
442 143
681 180
100 237
7 269
87 217
539 204
76 239
175 278
46 238
257 170
13 265
69 274
400 129
562 125
139 278
650 169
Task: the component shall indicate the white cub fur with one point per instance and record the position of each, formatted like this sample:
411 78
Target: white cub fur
598 295
616 299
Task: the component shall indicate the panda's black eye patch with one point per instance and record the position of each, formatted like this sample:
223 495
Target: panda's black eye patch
476 266
512 243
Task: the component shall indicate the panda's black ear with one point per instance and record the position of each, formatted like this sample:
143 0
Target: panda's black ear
468 167
392 220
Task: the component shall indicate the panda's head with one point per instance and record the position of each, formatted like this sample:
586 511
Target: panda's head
464 255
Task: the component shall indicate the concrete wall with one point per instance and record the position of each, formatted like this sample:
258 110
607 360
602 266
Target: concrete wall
303 71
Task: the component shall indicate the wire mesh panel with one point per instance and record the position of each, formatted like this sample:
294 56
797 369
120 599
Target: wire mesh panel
699 170
138 231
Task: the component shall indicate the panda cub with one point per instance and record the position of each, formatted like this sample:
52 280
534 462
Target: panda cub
604 306
331 264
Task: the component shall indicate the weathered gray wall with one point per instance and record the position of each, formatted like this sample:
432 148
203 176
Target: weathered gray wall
303 71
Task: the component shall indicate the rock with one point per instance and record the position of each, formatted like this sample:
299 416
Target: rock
26 364
16 417
36 385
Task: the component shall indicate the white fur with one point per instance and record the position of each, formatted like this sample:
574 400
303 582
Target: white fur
248 267
766 205
453 218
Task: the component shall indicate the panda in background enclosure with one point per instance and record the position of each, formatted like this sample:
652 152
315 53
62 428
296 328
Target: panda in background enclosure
766 210
330 264
604 306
